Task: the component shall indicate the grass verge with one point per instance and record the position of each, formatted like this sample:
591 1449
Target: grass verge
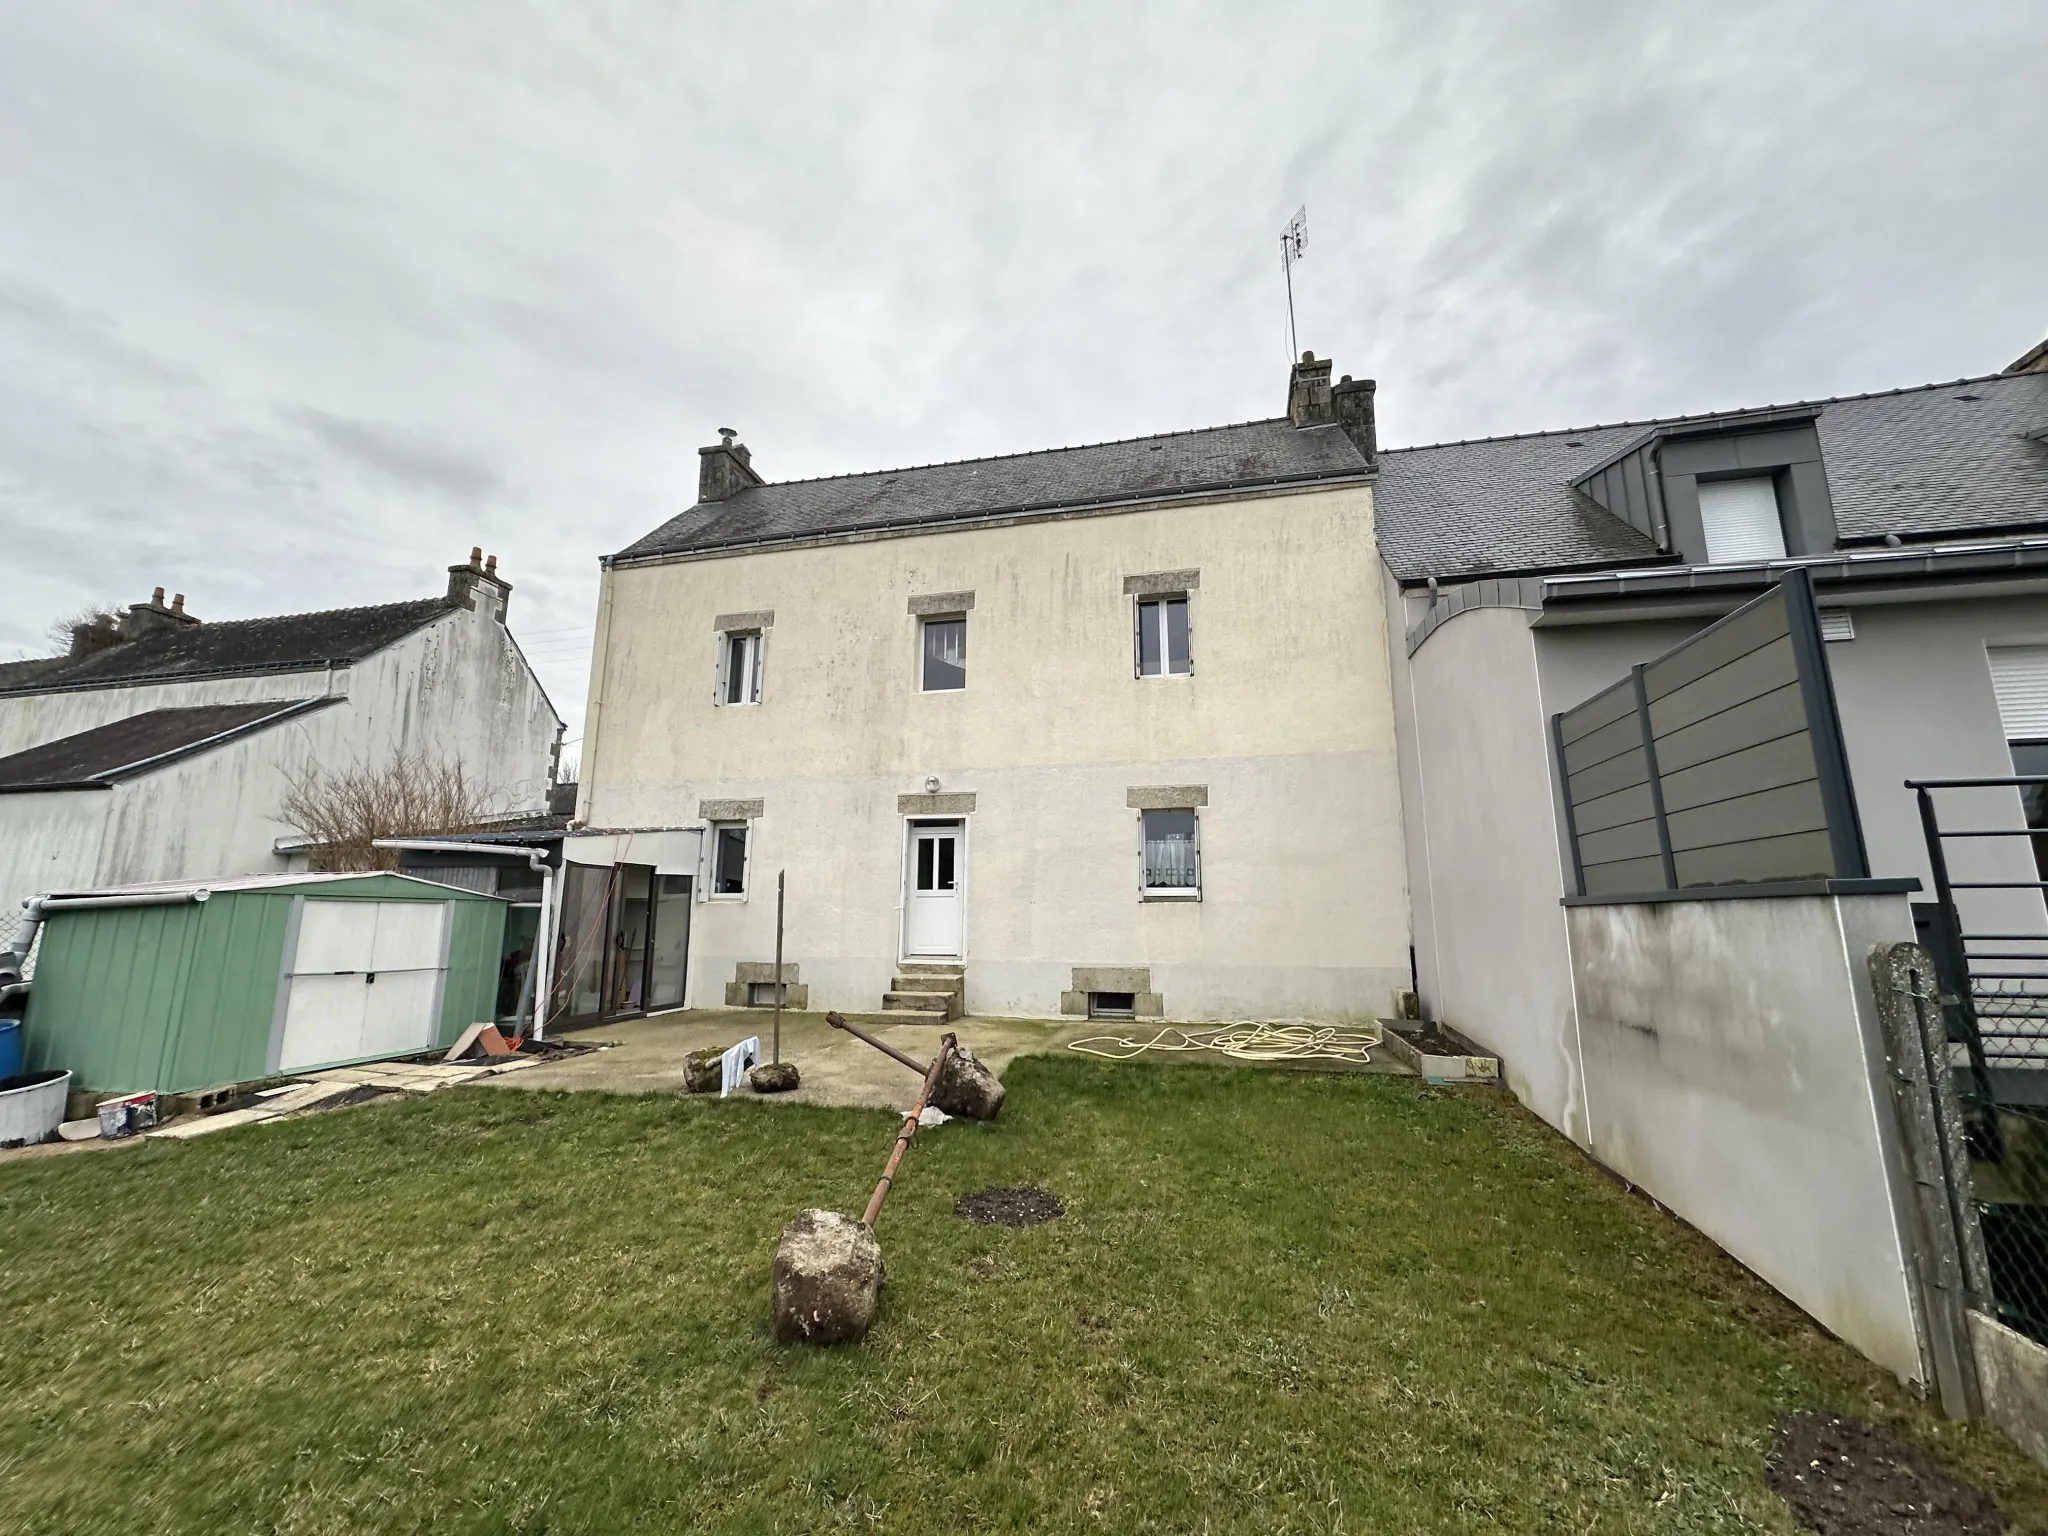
1278 1302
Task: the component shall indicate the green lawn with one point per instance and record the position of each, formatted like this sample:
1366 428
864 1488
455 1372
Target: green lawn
1279 1302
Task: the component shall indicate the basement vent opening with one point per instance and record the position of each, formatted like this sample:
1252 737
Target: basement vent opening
761 994
1112 1005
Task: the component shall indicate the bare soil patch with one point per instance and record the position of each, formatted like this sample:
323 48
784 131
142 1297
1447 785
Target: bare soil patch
1843 1477
1022 1207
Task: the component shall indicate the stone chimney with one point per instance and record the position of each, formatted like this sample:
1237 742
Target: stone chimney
1351 406
153 618
1308 392
478 585
726 469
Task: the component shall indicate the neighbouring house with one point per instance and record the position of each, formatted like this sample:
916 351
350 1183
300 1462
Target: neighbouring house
1661 688
162 748
1102 729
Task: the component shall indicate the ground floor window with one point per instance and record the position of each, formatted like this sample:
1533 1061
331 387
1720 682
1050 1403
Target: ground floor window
729 858
1172 853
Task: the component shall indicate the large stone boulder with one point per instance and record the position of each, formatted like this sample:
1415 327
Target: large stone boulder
827 1279
704 1071
774 1077
966 1088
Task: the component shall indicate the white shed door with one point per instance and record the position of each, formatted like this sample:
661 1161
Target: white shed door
366 980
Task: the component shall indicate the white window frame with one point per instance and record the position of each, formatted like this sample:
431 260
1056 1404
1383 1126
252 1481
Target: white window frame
925 620
1148 892
757 654
710 881
1159 600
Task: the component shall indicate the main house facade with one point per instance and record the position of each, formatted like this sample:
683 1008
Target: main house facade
162 748
1104 729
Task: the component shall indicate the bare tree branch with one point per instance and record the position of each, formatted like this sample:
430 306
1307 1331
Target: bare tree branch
345 810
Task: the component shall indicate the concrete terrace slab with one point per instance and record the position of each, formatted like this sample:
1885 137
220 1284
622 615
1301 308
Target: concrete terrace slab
647 1054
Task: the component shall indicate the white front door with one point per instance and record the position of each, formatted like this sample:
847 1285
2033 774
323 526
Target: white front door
932 897
366 980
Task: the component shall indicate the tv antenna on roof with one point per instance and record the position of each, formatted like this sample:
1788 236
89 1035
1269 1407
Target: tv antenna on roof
1293 241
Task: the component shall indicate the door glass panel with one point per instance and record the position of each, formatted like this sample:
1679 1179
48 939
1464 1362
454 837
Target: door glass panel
521 924
626 975
580 958
924 863
671 941
945 863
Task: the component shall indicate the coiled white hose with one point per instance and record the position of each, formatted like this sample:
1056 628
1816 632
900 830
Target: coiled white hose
1286 1040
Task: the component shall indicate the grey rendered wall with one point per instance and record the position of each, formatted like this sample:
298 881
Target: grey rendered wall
1732 1054
1914 692
1485 857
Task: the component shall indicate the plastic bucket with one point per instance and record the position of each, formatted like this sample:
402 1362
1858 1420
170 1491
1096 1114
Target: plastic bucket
11 1060
32 1107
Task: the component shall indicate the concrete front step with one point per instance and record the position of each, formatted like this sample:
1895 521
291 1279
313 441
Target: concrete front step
916 1016
931 968
939 986
919 1002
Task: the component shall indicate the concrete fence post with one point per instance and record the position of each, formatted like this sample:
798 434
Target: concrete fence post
1948 1246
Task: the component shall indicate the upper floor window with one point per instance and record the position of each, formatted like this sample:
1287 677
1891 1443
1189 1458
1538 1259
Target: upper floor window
1741 520
945 653
1163 637
739 667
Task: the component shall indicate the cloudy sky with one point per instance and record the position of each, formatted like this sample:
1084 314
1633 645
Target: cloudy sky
298 302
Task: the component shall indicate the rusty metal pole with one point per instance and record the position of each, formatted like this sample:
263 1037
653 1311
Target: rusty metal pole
904 1136
838 1021
780 876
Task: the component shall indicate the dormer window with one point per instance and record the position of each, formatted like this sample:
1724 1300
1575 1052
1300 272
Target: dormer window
1741 520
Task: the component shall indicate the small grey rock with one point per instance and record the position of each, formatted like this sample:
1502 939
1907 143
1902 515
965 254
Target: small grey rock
773 1077
966 1088
827 1279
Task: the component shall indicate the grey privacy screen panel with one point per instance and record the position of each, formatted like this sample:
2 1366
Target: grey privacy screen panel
1610 801
1731 761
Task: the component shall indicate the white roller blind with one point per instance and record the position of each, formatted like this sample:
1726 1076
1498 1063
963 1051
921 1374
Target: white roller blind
2019 675
1741 520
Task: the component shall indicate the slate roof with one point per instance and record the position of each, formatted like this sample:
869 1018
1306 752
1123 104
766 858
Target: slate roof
122 749
1914 462
294 642
1248 455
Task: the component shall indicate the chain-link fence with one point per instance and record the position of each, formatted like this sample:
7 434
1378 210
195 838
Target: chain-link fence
2009 1176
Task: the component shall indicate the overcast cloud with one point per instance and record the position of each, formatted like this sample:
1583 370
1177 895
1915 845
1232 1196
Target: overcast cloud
298 302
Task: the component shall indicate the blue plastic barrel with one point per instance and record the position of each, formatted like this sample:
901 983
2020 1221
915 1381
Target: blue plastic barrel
10 1048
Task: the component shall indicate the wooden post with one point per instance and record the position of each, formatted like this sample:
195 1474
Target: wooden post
780 876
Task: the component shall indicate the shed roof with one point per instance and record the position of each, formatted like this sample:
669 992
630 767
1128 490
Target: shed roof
122 749
293 642
1935 459
281 881
1165 465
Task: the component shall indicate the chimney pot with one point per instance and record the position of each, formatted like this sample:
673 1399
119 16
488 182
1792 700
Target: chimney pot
178 603
156 598
476 557
490 565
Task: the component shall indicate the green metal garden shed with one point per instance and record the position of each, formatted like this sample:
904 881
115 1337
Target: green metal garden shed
185 985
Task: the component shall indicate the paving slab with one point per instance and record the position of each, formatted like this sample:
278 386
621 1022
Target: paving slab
647 1054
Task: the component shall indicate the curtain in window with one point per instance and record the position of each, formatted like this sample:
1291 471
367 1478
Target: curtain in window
1170 851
